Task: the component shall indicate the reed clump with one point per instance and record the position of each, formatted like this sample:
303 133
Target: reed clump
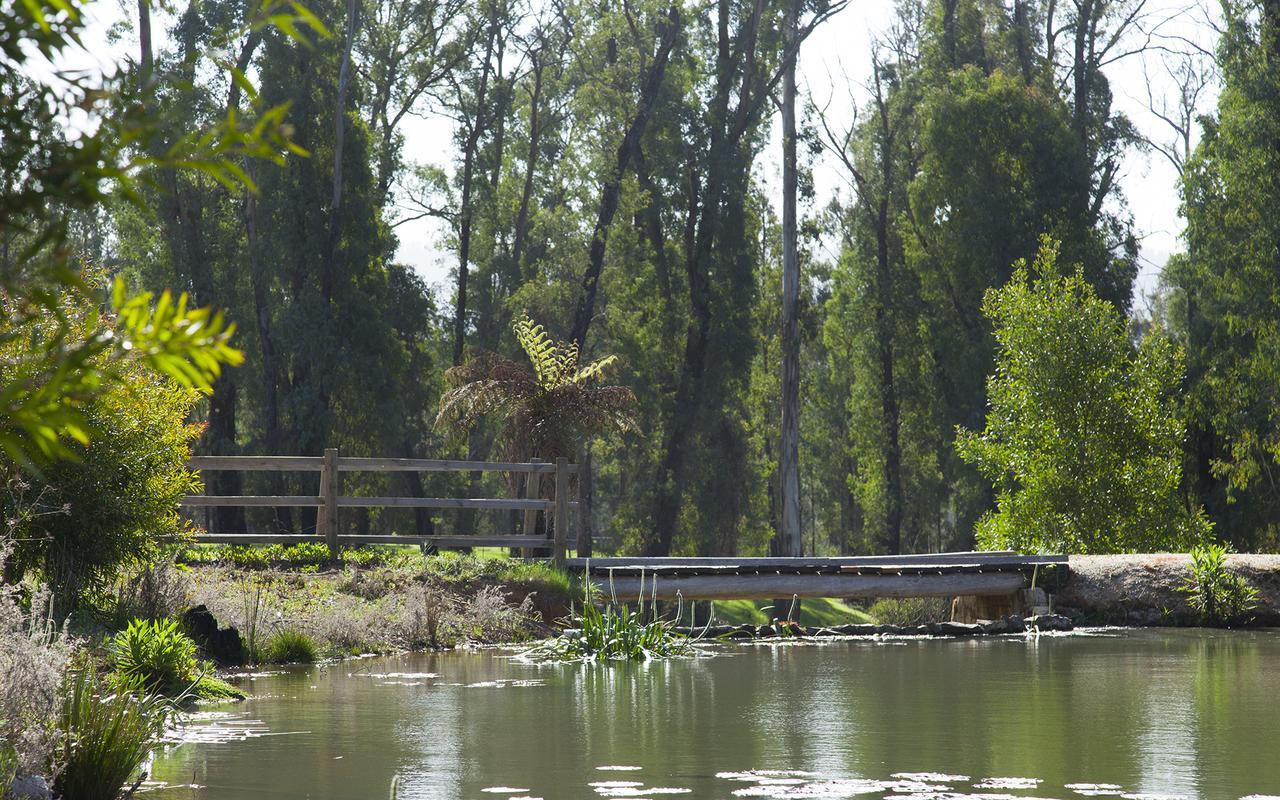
109 727
612 631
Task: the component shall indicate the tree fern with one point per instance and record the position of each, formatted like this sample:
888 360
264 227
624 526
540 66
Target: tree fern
544 412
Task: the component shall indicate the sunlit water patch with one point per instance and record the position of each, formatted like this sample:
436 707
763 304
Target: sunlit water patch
1136 715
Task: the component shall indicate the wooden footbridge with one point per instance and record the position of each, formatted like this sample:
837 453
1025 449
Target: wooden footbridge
925 575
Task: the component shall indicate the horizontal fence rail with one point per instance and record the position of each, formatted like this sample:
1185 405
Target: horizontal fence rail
329 500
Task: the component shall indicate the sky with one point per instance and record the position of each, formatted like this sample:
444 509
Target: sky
836 55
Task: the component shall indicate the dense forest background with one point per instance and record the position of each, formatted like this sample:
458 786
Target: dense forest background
606 180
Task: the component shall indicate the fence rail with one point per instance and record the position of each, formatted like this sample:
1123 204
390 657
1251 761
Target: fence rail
329 501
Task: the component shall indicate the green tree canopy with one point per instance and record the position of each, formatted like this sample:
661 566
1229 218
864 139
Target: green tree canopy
1083 440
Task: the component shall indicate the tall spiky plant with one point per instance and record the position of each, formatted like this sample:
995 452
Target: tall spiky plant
543 412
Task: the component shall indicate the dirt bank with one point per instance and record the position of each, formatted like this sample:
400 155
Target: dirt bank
406 602
1143 589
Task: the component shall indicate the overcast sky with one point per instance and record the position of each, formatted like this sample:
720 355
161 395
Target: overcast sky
840 48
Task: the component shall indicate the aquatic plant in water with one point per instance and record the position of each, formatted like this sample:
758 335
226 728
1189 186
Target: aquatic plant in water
291 646
614 632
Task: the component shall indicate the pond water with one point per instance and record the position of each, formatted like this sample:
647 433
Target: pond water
1129 714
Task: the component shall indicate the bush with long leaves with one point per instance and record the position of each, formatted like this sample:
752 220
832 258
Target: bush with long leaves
1217 595
109 727
158 653
544 410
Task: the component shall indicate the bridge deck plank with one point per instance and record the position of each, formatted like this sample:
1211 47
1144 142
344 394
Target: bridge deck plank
940 563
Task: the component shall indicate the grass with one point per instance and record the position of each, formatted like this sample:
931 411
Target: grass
413 602
459 568
814 613
482 564
909 611
208 687
163 660
290 646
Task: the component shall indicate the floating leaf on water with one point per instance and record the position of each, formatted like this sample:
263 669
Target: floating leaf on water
1008 783
503 790
618 768
835 788
761 774
614 784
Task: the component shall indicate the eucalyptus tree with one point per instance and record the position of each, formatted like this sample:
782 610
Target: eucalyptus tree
1224 288
934 223
405 53
747 55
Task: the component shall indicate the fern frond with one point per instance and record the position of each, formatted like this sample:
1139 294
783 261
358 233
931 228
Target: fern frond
594 370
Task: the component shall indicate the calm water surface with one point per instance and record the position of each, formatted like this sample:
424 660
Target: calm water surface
1137 714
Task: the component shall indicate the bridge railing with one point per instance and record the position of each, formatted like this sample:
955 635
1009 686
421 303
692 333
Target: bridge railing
329 502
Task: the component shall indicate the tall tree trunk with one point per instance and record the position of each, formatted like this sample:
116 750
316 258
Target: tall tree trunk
146 60
704 222
469 152
651 83
889 411
791 542
339 152
273 433
181 210
1022 41
530 168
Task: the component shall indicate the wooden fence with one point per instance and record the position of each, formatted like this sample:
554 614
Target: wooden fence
329 502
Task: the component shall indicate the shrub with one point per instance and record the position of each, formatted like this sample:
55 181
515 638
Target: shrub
1083 440
33 657
1217 595
158 653
153 592
112 507
909 611
488 617
290 646
429 618
108 732
301 555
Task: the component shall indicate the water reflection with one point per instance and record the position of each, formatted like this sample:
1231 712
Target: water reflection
1181 714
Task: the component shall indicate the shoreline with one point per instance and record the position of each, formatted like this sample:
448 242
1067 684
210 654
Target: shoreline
1141 590
419 606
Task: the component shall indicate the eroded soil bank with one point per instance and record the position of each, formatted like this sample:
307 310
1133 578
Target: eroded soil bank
1143 589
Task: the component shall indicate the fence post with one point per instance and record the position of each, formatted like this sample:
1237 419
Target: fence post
327 515
561 530
531 516
582 493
